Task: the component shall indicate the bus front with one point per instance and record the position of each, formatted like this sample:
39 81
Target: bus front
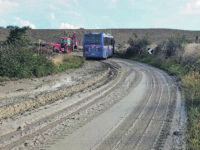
93 45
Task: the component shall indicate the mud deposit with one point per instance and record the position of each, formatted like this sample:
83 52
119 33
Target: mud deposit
106 104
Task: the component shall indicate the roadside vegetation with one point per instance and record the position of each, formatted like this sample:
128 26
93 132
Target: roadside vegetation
70 61
18 58
169 56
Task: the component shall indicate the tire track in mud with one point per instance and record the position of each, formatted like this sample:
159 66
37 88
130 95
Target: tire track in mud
155 125
166 122
88 85
118 138
53 123
48 98
123 89
144 128
161 122
25 89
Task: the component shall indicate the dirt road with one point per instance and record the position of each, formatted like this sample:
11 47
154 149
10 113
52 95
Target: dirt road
111 104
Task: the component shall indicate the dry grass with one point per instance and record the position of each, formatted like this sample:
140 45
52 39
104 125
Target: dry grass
191 50
69 61
191 83
58 59
191 57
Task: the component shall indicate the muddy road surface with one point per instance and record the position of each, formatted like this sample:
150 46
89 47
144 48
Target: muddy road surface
112 104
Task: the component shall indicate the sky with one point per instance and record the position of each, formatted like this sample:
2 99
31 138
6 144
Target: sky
101 14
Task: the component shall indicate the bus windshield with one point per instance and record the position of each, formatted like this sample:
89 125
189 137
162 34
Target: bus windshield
93 38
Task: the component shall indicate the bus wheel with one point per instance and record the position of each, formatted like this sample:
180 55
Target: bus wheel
106 57
111 55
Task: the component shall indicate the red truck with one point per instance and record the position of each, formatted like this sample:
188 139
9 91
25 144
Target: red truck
65 44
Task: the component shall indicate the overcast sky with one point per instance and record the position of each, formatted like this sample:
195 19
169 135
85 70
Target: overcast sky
94 14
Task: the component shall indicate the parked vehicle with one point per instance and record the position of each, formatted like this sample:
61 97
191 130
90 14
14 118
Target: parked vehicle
98 45
65 44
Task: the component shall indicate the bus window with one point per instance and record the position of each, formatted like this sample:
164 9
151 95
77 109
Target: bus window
92 38
106 41
109 41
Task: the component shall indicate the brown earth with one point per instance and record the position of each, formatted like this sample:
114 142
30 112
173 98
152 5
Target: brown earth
109 104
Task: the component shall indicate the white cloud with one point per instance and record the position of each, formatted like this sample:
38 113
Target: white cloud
191 8
68 26
52 16
6 5
22 22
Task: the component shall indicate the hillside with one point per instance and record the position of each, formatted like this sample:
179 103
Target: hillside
121 35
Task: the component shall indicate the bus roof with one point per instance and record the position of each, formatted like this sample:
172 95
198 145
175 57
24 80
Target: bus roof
104 34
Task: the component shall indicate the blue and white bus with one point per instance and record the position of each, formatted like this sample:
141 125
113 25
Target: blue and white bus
98 45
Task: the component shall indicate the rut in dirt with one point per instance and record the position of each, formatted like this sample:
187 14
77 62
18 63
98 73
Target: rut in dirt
111 104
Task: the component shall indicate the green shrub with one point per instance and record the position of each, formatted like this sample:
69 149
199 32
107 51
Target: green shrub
193 134
191 88
17 59
172 67
43 66
192 64
137 47
18 36
173 46
191 84
22 62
